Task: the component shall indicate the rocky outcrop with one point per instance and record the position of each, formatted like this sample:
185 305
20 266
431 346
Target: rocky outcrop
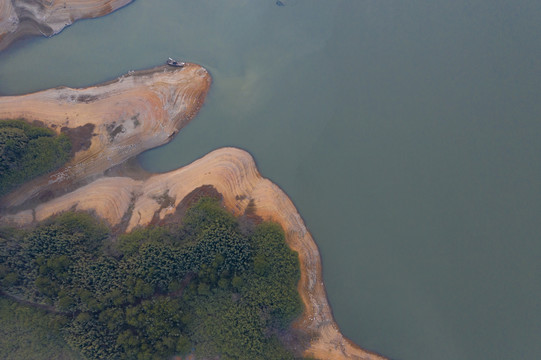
20 18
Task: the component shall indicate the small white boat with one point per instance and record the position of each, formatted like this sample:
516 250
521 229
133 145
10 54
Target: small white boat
175 63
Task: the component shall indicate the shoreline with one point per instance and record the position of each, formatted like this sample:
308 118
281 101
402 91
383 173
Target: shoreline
108 123
233 173
22 19
168 98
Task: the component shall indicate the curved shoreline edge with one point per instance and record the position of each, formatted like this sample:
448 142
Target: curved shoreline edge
165 99
108 123
233 173
19 19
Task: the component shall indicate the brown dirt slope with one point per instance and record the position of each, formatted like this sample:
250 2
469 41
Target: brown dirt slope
20 18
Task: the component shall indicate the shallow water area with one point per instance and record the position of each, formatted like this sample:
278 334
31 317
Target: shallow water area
407 135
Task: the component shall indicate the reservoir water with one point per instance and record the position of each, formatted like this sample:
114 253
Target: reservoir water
407 133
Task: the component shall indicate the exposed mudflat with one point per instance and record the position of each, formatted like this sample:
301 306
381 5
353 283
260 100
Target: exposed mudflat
108 123
21 18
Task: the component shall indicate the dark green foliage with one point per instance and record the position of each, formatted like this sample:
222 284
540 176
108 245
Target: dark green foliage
47 260
204 287
154 325
27 151
27 333
273 287
128 244
92 337
213 331
206 213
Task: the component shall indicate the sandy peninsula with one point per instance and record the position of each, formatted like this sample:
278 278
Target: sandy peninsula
233 173
114 122
21 18
108 123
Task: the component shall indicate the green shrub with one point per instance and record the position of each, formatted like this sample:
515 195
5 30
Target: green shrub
31 333
28 151
238 291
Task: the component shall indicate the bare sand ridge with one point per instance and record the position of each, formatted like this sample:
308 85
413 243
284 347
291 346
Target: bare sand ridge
20 18
109 123
232 172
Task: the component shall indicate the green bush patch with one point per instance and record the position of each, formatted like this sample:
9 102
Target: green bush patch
31 333
203 287
27 151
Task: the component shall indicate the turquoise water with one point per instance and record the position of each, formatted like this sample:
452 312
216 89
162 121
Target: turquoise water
406 133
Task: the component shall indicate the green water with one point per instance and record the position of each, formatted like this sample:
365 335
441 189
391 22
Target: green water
406 133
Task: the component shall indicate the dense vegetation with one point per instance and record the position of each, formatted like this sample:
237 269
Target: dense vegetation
203 287
27 151
29 333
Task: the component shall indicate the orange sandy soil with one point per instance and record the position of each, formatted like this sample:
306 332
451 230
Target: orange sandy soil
20 18
147 108
133 113
232 172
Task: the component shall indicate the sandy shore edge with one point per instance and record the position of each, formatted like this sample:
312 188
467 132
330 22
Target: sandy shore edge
233 173
22 18
108 123
139 111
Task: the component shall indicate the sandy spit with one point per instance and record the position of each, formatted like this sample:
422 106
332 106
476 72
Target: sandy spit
20 18
233 173
122 118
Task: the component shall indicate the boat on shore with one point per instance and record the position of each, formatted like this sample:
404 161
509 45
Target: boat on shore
175 63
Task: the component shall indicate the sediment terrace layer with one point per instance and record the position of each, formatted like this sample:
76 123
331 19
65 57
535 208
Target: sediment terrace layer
109 123
232 172
20 18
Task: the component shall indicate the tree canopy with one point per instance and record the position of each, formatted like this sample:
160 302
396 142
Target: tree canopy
27 151
203 287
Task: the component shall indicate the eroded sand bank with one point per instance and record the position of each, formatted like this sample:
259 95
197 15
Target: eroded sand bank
20 18
232 172
109 123
113 122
